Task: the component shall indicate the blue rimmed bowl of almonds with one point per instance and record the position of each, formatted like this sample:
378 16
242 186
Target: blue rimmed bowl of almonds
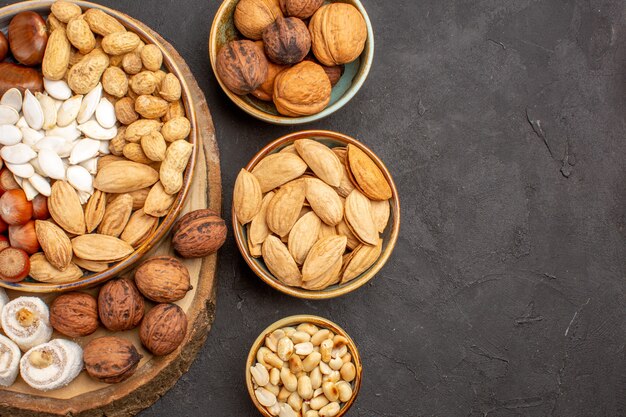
304 366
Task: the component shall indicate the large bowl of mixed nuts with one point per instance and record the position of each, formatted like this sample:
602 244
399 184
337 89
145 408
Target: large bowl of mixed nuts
303 366
98 141
316 214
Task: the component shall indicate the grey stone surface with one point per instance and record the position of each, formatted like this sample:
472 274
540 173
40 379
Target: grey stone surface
503 125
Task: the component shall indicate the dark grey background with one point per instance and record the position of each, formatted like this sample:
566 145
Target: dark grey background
505 295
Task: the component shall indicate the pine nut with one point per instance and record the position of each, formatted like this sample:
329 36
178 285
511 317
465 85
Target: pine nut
285 348
265 397
295 401
331 410
335 364
309 328
318 402
330 391
304 349
326 349
300 337
295 364
305 389
311 361
345 391
274 376
289 380
348 372
260 375
320 336
273 360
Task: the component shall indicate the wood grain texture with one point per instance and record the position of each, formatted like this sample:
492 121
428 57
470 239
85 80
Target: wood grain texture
156 375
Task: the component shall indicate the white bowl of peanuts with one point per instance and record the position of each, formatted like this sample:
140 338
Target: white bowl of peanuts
303 366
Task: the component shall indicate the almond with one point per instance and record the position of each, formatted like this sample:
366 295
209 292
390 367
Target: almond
359 217
322 161
103 248
330 277
94 210
324 201
247 197
278 169
368 177
139 228
54 243
158 202
284 209
303 236
65 208
380 214
124 177
323 256
116 216
280 262
93 266
363 257
343 229
258 226
42 270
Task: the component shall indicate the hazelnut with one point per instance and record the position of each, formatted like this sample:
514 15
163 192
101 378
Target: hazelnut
199 233
163 279
286 41
111 359
163 329
120 305
74 314
338 34
252 16
302 9
241 66
302 90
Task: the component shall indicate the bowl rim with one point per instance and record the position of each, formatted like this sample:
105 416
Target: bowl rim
366 66
166 222
319 322
356 283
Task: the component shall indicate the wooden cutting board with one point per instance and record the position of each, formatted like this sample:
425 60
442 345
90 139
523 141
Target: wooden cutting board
86 397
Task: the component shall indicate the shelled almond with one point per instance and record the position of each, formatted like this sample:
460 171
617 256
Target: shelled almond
314 213
108 130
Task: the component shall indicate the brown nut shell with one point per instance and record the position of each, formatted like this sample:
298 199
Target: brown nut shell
302 9
28 37
252 16
20 77
74 314
302 90
4 46
163 279
111 359
241 66
199 233
286 41
338 34
120 305
163 329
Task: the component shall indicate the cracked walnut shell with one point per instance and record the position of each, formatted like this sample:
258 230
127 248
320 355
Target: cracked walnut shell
302 90
241 66
338 34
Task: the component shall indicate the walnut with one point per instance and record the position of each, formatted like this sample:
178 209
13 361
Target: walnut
302 90
74 314
111 359
199 233
338 34
163 329
163 279
265 91
286 41
120 305
302 9
252 16
241 66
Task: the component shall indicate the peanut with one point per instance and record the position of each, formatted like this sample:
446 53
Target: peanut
115 82
125 111
57 56
65 10
170 88
80 35
85 75
158 201
101 23
140 128
152 57
176 109
144 83
131 63
171 172
151 107
176 129
154 146
120 43
134 152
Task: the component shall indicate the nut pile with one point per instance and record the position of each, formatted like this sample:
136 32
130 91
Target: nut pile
314 213
304 371
102 134
291 64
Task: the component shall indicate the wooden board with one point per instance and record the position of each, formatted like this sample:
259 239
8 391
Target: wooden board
85 397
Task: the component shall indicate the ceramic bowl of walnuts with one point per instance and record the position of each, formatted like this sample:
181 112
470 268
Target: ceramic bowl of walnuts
290 62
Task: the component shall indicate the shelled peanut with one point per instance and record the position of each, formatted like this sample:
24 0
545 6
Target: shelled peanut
304 371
